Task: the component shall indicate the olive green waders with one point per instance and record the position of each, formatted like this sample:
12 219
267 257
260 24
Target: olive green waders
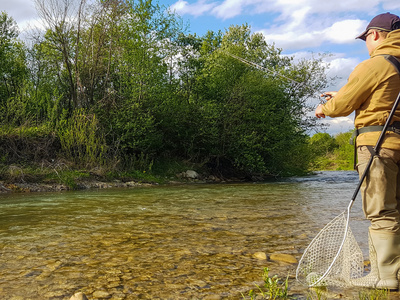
381 198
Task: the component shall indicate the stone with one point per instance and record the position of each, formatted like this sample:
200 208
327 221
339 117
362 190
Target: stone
79 296
287 258
191 174
101 294
260 255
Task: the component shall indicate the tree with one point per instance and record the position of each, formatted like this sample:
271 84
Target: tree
323 143
251 119
13 70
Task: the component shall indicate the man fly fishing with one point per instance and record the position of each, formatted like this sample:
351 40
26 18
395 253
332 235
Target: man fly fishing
371 91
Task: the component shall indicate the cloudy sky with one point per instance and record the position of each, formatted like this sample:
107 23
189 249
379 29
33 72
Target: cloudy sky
299 27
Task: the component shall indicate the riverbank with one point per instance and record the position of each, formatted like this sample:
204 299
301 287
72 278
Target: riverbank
94 182
43 187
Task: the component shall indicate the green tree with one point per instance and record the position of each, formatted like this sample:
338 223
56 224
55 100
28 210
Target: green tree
322 144
143 82
252 120
13 71
329 152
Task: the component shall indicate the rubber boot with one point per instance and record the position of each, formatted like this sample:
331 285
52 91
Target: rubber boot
384 251
373 277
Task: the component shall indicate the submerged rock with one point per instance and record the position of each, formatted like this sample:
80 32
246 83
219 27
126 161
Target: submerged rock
287 258
79 296
101 294
260 255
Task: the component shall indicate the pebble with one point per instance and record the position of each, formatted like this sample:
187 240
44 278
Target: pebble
287 258
79 296
260 255
101 294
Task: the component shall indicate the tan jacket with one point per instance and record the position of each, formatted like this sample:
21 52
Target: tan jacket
371 90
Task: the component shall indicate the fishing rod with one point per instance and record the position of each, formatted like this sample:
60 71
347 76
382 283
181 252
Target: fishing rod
265 69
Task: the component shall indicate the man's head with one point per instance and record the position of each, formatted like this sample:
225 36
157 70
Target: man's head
384 22
378 29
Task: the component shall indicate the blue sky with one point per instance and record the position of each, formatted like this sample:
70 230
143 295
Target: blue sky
299 27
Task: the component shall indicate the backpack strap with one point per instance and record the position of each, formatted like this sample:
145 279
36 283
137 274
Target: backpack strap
393 60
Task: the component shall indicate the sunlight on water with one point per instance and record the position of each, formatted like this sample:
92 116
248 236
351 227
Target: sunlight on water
167 242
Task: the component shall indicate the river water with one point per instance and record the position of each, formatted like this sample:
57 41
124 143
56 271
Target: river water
166 242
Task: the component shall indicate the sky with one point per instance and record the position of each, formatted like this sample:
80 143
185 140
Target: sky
301 28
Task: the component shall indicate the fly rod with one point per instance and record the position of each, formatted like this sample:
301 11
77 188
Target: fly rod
257 66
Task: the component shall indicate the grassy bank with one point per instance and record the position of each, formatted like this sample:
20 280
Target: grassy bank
41 158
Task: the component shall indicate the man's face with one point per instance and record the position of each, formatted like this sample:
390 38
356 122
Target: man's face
369 41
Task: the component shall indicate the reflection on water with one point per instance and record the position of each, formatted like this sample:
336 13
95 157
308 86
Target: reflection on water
168 242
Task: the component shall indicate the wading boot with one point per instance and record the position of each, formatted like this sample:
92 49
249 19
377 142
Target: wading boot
384 253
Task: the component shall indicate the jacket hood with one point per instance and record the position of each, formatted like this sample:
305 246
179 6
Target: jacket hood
391 45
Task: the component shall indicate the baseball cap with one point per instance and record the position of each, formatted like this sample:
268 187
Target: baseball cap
384 22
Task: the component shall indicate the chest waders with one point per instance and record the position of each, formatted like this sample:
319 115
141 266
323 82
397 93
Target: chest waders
384 246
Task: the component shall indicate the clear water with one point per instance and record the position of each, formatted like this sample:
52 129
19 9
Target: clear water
166 242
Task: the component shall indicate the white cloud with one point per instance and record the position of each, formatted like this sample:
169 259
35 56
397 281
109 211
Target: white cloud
199 8
22 11
228 9
340 124
391 5
341 69
343 32
298 35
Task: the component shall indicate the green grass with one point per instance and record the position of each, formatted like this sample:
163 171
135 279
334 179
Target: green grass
373 294
277 288
273 288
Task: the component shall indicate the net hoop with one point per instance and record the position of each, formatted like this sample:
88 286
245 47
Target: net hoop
324 262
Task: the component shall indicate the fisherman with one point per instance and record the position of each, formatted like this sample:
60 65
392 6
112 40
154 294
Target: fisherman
371 90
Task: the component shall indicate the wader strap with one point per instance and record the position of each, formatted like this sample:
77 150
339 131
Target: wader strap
395 127
365 129
393 61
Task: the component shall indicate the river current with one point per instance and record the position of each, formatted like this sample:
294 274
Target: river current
193 241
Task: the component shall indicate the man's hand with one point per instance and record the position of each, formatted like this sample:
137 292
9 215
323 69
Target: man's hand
328 96
318 112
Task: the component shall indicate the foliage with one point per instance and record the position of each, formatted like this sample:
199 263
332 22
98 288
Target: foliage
13 71
331 152
273 288
375 294
81 140
26 144
277 288
120 83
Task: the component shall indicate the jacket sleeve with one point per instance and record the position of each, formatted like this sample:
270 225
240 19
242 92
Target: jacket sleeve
351 96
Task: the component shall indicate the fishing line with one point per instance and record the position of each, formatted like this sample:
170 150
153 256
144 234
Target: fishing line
265 69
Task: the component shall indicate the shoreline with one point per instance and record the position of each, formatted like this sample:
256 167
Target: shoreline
25 187
6 188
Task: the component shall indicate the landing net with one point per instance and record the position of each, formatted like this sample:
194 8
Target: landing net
333 258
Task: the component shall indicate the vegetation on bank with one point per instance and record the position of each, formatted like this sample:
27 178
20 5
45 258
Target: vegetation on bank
331 152
274 287
118 90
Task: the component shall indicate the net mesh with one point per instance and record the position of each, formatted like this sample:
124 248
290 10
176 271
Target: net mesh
315 267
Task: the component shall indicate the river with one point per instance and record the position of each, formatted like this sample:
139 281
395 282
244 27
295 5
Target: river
193 241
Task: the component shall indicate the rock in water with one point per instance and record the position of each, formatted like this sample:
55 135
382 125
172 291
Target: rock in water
79 296
260 255
284 258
